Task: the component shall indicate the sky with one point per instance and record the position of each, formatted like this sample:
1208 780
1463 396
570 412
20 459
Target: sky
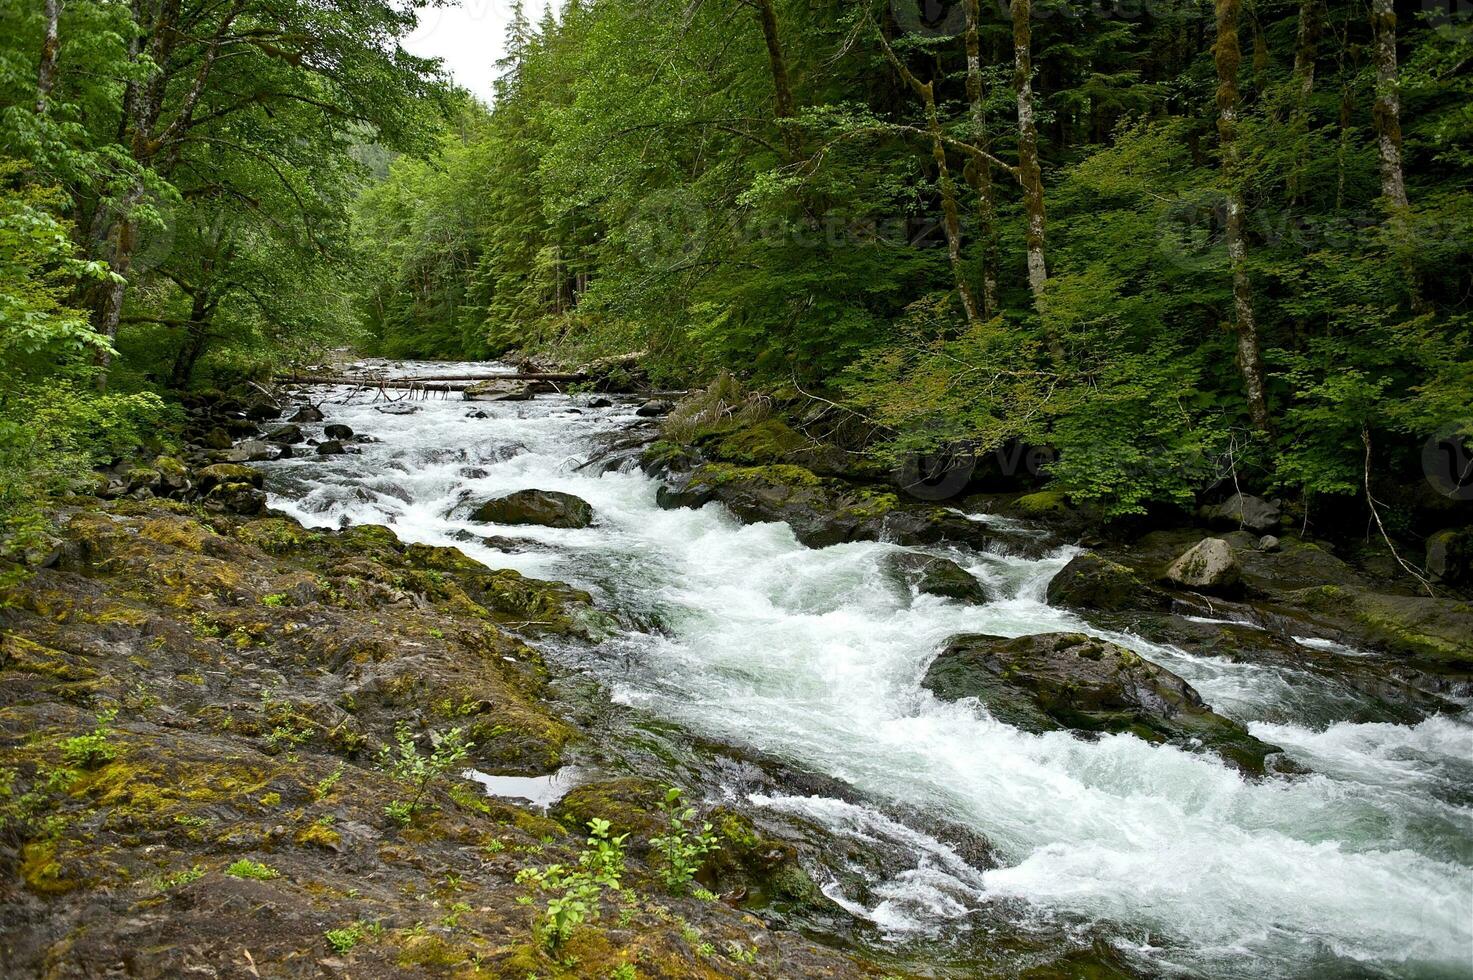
469 37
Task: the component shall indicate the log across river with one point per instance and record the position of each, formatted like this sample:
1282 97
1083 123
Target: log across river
742 636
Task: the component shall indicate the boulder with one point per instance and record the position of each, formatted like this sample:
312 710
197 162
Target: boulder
308 413
262 409
1246 511
1450 555
1436 632
600 401
250 451
338 431
396 408
933 575
285 434
820 512
546 508
654 407
209 477
1092 582
216 438
1071 681
330 448
173 477
1208 566
1269 543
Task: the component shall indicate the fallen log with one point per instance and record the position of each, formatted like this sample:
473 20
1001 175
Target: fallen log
447 383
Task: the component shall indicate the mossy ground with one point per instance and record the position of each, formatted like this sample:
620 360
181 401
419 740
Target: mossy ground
240 678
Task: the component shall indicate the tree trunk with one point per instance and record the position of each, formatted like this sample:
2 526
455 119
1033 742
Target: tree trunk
979 171
1029 171
1250 361
50 49
196 334
1387 116
783 104
1387 112
951 217
1306 46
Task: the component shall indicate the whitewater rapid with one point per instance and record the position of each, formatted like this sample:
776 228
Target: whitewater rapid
816 656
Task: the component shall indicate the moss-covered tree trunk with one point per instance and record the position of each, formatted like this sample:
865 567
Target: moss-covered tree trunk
50 49
1250 359
1387 115
1306 47
950 214
979 170
784 107
1029 171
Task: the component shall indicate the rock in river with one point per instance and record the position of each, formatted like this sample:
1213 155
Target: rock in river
1209 566
547 508
1069 680
1092 582
933 575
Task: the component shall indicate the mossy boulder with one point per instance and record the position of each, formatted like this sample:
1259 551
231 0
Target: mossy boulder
209 477
543 508
1072 681
934 575
1207 566
821 512
630 804
1090 581
1436 631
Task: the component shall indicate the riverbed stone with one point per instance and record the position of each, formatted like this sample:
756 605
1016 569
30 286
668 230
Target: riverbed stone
287 434
331 447
308 413
545 508
1072 681
1091 581
338 430
1449 555
1246 511
1208 566
934 575
250 451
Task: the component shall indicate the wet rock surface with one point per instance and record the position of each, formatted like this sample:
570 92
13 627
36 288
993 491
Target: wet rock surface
544 508
1069 680
934 575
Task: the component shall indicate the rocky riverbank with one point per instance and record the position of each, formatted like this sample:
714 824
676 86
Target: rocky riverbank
192 707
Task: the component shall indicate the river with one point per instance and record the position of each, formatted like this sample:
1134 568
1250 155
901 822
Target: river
744 636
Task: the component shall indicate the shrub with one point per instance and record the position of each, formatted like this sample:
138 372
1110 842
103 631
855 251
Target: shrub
683 845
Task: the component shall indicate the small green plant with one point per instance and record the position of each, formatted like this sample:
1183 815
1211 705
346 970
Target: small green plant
344 939
246 868
684 844
180 878
204 627
404 761
95 748
624 971
326 783
451 920
274 599
705 894
574 890
738 952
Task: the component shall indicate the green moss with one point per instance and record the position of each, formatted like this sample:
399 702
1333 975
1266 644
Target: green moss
1045 503
277 535
782 474
767 442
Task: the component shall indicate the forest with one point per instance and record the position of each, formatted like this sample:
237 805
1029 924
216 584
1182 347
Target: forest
773 488
1166 240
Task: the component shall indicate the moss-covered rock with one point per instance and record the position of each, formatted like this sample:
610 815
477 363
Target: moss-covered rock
544 508
934 575
1070 680
1092 582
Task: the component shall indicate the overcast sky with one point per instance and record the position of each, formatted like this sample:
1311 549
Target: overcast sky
469 37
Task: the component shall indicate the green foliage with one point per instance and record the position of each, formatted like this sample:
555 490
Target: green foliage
419 771
255 870
180 878
573 891
94 749
684 844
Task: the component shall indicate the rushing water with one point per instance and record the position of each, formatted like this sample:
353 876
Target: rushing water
1364 867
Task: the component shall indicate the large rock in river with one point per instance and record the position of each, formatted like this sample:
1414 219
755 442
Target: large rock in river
1207 566
547 508
934 575
1072 681
1092 582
